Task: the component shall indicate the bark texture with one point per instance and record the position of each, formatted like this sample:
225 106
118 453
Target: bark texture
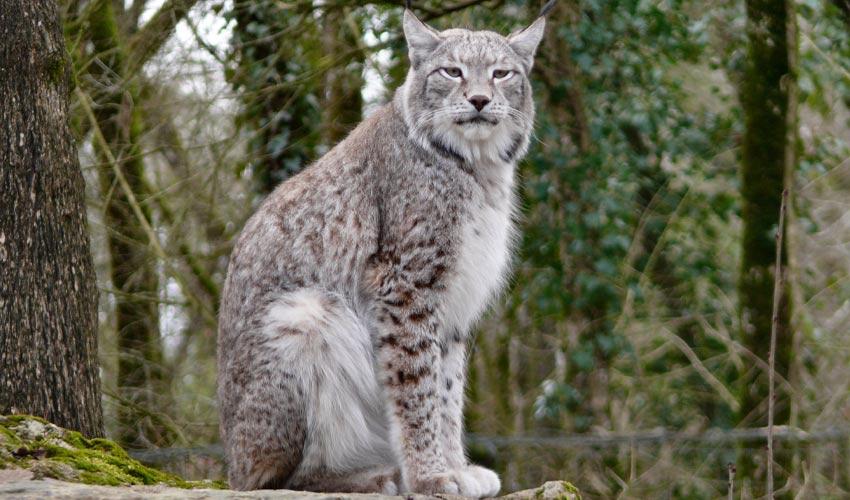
48 292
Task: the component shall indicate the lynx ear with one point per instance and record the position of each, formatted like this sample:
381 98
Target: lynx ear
421 38
525 42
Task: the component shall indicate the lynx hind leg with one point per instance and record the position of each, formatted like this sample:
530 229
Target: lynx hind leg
385 480
265 443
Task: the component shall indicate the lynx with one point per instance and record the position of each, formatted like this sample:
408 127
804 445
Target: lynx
351 292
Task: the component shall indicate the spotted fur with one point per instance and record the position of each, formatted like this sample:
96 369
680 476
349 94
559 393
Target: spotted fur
351 292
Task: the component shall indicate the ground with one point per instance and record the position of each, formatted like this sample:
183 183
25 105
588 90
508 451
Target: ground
39 460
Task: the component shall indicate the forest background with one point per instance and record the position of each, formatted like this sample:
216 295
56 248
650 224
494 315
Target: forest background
633 341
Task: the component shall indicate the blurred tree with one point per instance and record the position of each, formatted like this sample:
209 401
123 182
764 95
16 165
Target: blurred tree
599 189
342 42
133 266
279 86
120 46
768 159
48 295
609 235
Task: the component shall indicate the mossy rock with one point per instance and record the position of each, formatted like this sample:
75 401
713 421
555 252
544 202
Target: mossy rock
551 490
49 451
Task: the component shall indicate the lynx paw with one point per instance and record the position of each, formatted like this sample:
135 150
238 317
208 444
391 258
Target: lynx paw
445 482
478 482
471 481
385 481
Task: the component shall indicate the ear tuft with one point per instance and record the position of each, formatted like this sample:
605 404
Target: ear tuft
421 38
525 42
545 10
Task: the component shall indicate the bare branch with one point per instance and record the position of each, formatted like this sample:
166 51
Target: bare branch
153 35
778 281
135 11
704 372
102 144
731 469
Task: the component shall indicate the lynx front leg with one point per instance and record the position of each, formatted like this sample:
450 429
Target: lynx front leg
409 361
452 383
476 482
408 356
411 371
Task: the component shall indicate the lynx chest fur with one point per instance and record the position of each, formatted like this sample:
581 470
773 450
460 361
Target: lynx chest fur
486 243
350 294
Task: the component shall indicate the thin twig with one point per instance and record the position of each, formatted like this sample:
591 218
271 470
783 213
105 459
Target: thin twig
837 67
146 42
203 43
706 374
731 468
103 144
119 175
777 295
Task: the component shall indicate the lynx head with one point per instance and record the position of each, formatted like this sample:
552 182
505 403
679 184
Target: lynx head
467 93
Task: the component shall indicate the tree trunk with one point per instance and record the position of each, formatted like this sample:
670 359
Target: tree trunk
343 103
48 291
768 156
142 382
280 105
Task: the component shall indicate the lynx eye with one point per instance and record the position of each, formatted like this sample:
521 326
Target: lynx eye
501 74
453 73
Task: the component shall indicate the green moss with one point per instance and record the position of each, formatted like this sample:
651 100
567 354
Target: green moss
56 69
540 493
51 451
572 489
6 436
8 420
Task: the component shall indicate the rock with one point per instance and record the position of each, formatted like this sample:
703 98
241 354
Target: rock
551 490
57 490
39 460
47 451
14 475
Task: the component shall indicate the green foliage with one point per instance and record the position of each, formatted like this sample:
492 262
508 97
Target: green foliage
823 82
278 87
596 217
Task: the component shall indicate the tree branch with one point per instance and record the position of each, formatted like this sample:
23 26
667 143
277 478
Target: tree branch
102 144
135 11
778 282
153 35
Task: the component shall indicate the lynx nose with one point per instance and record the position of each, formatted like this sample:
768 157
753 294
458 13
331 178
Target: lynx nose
479 101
